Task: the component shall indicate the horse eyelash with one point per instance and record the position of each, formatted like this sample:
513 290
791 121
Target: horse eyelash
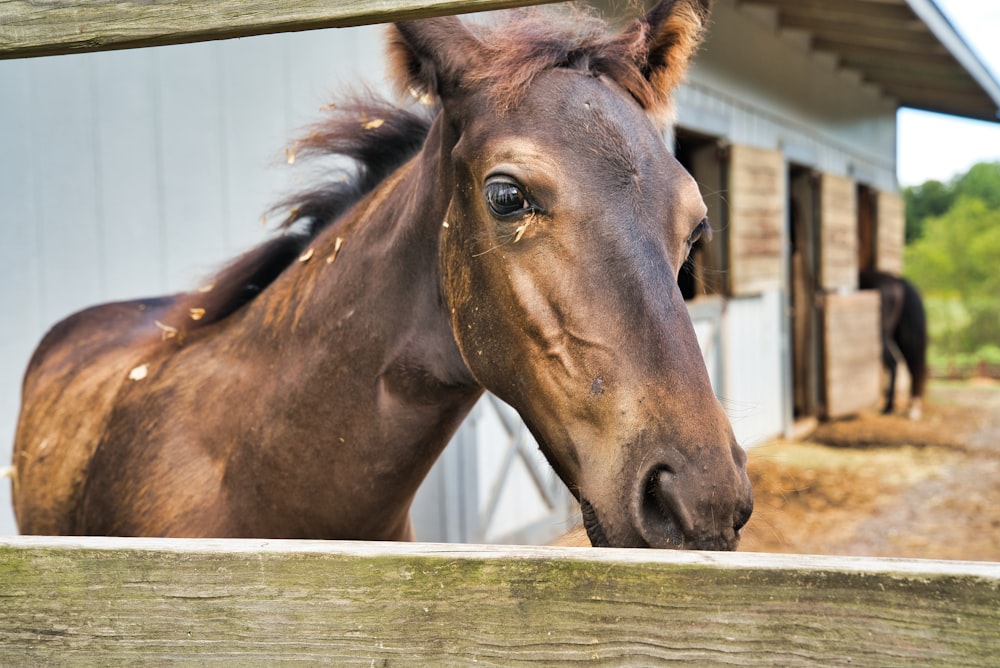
702 229
517 234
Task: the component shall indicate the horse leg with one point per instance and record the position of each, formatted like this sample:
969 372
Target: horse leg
889 360
911 338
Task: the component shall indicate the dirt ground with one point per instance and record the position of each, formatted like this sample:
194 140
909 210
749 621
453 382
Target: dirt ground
887 486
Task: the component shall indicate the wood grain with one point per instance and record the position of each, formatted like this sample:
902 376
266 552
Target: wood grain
757 218
124 601
852 352
891 232
838 243
54 27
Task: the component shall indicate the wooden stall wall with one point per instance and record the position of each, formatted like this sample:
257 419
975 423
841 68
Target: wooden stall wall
757 201
838 244
890 230
851 340
851 352
754 342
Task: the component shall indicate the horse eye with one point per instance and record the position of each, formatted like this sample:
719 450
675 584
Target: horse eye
702 230
505 198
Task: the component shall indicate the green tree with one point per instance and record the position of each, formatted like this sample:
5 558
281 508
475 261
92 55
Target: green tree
931 199
934 198
982 181
956 265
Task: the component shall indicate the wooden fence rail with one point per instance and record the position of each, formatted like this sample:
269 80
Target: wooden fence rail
156 601
54 27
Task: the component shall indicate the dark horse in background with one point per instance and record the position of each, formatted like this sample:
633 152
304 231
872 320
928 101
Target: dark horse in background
521 232
904 326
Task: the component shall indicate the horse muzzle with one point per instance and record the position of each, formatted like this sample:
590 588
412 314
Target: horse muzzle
670 514
675 507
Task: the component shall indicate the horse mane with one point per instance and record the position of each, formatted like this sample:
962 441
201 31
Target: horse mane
375 136
532 40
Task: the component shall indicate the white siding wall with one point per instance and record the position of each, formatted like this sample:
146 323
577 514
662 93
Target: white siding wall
756 357
746 355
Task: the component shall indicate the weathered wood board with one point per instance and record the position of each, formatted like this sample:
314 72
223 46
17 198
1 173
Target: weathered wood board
30 28
71 601
891 231
838 243
757 217
852 352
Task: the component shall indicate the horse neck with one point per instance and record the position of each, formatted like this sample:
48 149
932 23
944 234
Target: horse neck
363 362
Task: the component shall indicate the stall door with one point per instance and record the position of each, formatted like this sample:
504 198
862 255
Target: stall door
852 352
851 339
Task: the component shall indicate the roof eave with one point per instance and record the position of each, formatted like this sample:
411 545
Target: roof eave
945 32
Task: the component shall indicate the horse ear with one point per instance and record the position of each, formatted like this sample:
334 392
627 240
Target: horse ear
672 31
430 56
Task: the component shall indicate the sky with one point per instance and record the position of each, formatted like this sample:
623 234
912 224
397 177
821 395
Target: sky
936 146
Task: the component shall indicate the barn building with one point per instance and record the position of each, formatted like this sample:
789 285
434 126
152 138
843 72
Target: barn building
130 173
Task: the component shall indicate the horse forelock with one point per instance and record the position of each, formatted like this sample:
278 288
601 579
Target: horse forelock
530 41
375 137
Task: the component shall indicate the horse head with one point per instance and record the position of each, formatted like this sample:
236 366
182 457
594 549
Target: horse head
567 221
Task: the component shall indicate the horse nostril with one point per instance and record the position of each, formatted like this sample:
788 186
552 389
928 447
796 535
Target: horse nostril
668 497
743 516
743 512
744 504
670 510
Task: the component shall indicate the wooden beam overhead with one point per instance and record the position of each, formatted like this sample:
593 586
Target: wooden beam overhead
55 27
936 58
845 10
939 80
932 97
871 32
905 47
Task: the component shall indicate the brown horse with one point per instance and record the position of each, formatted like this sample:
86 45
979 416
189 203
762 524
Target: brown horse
904 325
522 235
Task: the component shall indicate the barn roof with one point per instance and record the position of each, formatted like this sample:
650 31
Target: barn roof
906 48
